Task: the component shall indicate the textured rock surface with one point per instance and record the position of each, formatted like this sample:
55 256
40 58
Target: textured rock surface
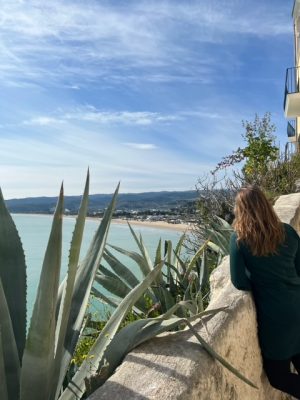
174 366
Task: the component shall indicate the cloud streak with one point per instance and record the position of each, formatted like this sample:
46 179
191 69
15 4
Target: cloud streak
57 43
141 146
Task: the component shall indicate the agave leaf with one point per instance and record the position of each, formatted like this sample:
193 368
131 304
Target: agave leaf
112 284
108 300
225 228
13 275
134 256
177 250
65 305
180 263
194 259
204 273
158 255
120 269
9 352
143 250
85 276
102 270
89 366
166 299
214 247
115 286
127 339
225 224
112 301
215 355
138 332
176 272
3 387
38 358
216 237
168 250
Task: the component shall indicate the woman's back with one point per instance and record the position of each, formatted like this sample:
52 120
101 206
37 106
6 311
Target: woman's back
280 269
275 283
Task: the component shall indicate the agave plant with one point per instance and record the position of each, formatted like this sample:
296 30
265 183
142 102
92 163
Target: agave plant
218 234
33 367
180 280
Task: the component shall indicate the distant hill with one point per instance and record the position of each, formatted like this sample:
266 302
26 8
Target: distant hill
97 202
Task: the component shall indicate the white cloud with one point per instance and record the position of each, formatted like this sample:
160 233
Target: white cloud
60 42
42 121
91 114
141 146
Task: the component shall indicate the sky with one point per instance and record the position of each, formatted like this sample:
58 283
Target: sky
150 93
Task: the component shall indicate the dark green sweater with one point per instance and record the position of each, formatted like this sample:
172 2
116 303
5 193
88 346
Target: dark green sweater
275 284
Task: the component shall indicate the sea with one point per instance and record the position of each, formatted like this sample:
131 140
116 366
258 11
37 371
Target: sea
34 231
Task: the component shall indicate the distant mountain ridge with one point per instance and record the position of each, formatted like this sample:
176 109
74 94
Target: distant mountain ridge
126 201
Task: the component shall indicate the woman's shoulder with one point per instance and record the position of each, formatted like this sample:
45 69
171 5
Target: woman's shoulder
290 230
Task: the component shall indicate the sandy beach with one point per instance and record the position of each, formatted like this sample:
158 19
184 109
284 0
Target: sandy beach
154 224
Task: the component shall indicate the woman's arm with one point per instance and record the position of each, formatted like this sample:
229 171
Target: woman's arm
237 266
297 258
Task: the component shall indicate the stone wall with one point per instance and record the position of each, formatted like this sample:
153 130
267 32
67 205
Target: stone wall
174 366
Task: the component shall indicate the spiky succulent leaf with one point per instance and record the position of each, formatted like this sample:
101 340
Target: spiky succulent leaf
214 247
90 365
120 269
134 256
3 379
136 333
9 353
178 248
108 300
115 286
38 358
222 360
13 274
204 273
66 301
196 256
219 239
139 241
85 277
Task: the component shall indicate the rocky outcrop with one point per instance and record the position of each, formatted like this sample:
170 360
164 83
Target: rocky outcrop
175 366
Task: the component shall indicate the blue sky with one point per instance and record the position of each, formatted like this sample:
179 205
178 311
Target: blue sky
151 93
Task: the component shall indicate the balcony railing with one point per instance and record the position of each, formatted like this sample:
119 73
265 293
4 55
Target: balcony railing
291 82
291 128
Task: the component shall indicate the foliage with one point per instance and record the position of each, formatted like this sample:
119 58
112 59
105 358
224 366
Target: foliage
35 367
259 151
181 279
282 175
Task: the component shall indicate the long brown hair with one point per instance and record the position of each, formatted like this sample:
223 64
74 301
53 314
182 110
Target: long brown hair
256 222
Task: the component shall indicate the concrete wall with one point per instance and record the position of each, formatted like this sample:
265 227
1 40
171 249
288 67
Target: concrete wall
175 367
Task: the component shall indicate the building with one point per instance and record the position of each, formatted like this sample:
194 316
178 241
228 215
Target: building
292 85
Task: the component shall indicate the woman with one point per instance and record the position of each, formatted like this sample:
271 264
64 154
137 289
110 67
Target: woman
265 258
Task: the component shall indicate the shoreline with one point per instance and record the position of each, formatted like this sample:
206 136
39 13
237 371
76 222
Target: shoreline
154 224
147 224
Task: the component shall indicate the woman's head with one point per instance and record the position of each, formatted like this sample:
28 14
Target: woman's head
256 223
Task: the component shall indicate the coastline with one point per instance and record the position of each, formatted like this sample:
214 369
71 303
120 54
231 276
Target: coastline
147 224
154 224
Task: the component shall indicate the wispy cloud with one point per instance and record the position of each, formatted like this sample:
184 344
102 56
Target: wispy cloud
141 146
91 114
42 121
59 42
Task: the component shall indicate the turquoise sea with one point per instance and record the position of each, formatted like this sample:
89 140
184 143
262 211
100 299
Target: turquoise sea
34 232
